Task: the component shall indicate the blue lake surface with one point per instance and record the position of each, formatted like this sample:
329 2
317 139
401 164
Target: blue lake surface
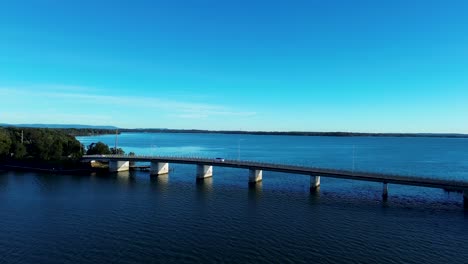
131 217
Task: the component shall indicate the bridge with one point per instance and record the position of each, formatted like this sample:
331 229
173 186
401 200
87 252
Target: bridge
160 165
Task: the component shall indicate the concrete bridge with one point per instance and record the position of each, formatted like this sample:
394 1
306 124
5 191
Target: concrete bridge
160 165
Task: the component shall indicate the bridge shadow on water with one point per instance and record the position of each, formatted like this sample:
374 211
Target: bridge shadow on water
160 182
125 178
204 188
254 194
314 197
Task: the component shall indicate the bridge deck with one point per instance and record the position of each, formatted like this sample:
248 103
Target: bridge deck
332 173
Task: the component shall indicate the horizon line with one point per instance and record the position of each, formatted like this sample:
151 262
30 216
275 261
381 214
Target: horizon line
112 127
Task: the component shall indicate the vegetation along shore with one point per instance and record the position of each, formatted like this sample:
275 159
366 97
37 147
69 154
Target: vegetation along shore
42 149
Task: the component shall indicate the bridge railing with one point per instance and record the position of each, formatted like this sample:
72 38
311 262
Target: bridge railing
204 159
285 167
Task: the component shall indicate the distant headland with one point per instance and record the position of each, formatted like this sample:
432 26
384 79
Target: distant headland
89 130
296 133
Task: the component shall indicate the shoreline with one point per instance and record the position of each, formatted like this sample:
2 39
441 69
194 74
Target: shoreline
7 167
78 132
279 133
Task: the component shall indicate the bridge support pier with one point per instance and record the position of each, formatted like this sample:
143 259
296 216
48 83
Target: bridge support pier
314 183
204 171
159 168
465 199
119 165
255 176
385 191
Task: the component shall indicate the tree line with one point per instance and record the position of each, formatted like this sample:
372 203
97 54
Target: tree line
293 133
102 148
37 143
43 144
88 131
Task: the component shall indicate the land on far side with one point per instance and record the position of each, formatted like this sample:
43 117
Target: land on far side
87 130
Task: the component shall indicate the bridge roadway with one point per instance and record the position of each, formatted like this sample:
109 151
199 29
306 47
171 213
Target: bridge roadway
451 185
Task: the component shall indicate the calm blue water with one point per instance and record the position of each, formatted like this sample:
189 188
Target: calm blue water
134 218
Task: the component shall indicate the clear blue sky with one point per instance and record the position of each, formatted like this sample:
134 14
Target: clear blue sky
314 65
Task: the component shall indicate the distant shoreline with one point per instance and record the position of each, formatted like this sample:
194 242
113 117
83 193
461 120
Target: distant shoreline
82 130
295 133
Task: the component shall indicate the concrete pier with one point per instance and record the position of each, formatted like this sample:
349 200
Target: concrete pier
119 165
204 171
465 199
159 168
255 176
314 183
385 191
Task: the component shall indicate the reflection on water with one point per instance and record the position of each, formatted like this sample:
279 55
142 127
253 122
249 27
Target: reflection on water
123 174
315 190
125 178
314 197
3 181
205 184
48 183
255 191
160 182
204 187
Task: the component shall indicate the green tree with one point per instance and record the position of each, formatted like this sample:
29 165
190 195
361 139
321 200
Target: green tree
119 151
56 150
18 150
38 143
98 148
5 142
132 163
